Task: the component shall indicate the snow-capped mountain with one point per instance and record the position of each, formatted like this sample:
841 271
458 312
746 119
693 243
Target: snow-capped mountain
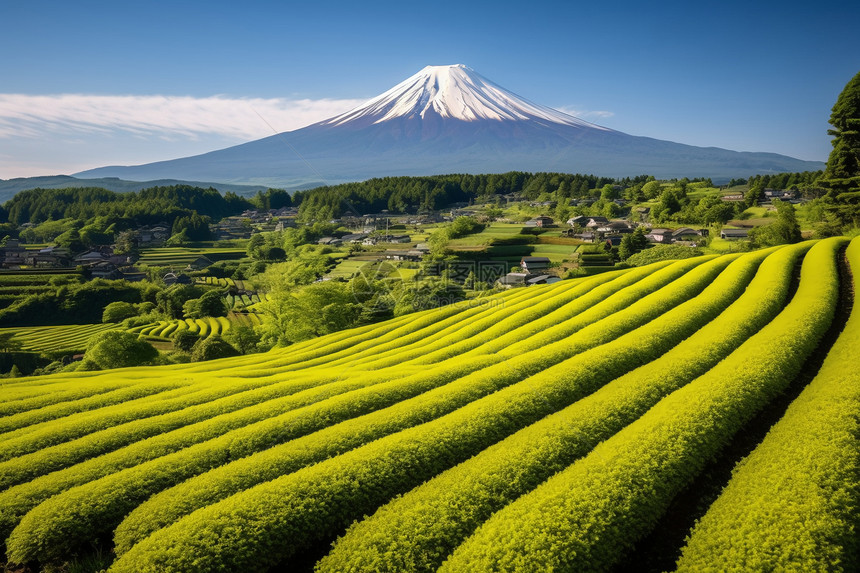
450 119
452 92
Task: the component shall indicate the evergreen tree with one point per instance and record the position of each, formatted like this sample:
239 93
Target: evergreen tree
842 175
784 230
844 161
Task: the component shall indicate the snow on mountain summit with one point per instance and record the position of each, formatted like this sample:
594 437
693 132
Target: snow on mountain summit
455 92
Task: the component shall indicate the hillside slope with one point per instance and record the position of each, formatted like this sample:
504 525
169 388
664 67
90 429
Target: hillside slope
545 428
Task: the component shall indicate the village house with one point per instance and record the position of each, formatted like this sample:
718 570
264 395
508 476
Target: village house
105 270
782 195
513 280
410 255
595 222
542 280
90 258
578 221
688 234
541 221
534 263
662 236
198 264
734 234
354 238
615 227
153 234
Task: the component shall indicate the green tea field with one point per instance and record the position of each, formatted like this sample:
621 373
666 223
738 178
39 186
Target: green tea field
65 337
693 415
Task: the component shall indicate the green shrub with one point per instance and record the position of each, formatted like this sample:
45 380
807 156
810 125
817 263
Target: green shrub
211 348
117 349
118 311
184 340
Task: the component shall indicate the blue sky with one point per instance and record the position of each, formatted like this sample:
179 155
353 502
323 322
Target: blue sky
90 83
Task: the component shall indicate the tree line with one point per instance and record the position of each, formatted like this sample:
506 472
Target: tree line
143 207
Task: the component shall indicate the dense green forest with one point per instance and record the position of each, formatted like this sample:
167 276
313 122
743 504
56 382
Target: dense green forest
417 194
144 207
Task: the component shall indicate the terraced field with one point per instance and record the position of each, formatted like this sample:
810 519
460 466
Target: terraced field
562 427
66 337
17 284
245 300
202 327
181 256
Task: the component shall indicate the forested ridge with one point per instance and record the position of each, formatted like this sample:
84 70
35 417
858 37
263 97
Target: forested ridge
144 207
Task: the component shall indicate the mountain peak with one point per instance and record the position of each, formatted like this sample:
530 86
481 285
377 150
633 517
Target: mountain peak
455 92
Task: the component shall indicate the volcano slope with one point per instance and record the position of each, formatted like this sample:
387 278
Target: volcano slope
542 428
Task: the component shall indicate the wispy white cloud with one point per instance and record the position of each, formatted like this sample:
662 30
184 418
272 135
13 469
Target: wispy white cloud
170 117
588 115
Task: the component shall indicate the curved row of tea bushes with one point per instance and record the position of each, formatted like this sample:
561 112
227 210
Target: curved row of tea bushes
423 326
417 531
248 427
598 302
112 496
792 505
420 326
521 313
311 504
451 328
34 437
277 461
587 516
62 337
61 409
20 397
549 335
347 342
554 325
77 423
217 402
95 495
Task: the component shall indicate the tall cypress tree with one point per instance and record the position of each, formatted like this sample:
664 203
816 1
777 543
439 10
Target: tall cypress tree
842 175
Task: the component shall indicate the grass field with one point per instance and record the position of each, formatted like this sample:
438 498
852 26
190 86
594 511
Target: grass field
485 237
592 424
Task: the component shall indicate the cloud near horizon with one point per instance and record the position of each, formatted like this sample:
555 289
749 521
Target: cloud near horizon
68 133
35 116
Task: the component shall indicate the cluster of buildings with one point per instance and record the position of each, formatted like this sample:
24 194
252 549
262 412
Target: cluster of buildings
366 239
600 229
252 221
15 256
100 262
